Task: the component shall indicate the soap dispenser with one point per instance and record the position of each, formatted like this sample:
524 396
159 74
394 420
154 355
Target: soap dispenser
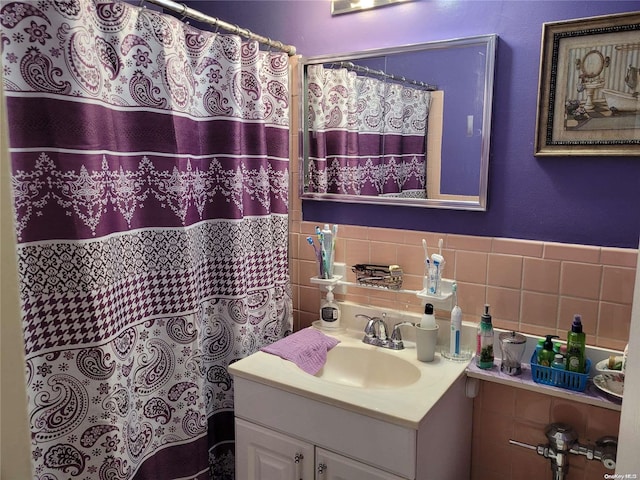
484 349
546 355
329 310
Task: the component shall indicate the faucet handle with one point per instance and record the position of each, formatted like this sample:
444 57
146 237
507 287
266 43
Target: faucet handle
396 336
369 330
382 328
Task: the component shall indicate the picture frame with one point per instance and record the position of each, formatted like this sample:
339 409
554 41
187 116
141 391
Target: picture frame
339 7
589 87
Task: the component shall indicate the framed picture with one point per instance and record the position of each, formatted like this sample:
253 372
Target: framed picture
589 87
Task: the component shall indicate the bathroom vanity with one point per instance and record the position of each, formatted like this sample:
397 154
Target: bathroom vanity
369 414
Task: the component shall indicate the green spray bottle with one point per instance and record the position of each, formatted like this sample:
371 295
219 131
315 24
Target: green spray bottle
576 343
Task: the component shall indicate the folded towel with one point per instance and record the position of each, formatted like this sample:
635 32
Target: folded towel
306 348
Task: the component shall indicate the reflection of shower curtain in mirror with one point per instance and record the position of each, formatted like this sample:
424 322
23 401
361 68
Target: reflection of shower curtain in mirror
150 174
367 137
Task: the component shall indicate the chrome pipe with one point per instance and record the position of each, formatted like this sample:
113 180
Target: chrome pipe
189 12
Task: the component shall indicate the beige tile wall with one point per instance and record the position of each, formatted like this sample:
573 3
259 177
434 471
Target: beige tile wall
503 413
532 287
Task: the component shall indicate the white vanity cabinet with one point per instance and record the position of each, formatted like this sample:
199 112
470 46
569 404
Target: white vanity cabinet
274 426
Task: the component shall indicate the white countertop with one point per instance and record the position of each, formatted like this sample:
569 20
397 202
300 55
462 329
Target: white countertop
404 406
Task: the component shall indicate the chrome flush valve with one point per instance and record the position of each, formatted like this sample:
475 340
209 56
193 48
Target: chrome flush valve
604 450
563 440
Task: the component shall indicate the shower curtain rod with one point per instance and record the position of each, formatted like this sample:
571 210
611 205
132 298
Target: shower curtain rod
380 73
185 11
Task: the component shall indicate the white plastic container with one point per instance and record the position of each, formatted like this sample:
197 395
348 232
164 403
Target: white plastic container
428 318
329 311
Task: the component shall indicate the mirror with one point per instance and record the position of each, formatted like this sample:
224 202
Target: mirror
405 125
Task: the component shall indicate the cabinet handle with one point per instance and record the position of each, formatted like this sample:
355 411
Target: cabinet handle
297 459
321 468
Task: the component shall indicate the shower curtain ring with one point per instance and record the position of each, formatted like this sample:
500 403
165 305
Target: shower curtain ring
184 12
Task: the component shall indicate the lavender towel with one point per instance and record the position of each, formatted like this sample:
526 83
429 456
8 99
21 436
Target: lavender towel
307 349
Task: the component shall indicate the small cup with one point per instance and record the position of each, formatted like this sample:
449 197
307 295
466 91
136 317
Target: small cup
426 341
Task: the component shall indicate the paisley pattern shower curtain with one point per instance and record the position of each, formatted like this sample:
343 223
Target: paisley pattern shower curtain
150 177
366 136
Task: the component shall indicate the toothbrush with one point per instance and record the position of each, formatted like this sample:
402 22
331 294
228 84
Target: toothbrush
310 242
335 234
440 242
426 280
318 254
426 252
323 254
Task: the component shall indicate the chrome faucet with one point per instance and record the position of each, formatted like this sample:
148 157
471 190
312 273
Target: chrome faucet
395 342
375 333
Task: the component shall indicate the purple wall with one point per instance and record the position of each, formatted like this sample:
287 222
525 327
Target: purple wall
586 200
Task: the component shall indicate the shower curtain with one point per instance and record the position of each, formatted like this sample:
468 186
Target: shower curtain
150 177
366 136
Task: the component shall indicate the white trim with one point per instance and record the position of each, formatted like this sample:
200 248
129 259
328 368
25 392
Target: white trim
628 460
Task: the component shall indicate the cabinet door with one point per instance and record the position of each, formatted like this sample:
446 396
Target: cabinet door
262 454
331 466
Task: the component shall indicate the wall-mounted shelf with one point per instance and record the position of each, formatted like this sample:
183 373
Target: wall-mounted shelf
591 396
442 301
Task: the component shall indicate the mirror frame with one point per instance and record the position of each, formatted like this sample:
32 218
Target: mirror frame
488 42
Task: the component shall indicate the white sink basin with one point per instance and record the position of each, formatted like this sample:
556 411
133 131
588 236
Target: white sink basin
367 368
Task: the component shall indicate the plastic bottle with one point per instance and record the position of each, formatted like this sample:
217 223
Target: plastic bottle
547 354
456 323
558 362
435 274
327 249
329 310
484 349
428 318
576 342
